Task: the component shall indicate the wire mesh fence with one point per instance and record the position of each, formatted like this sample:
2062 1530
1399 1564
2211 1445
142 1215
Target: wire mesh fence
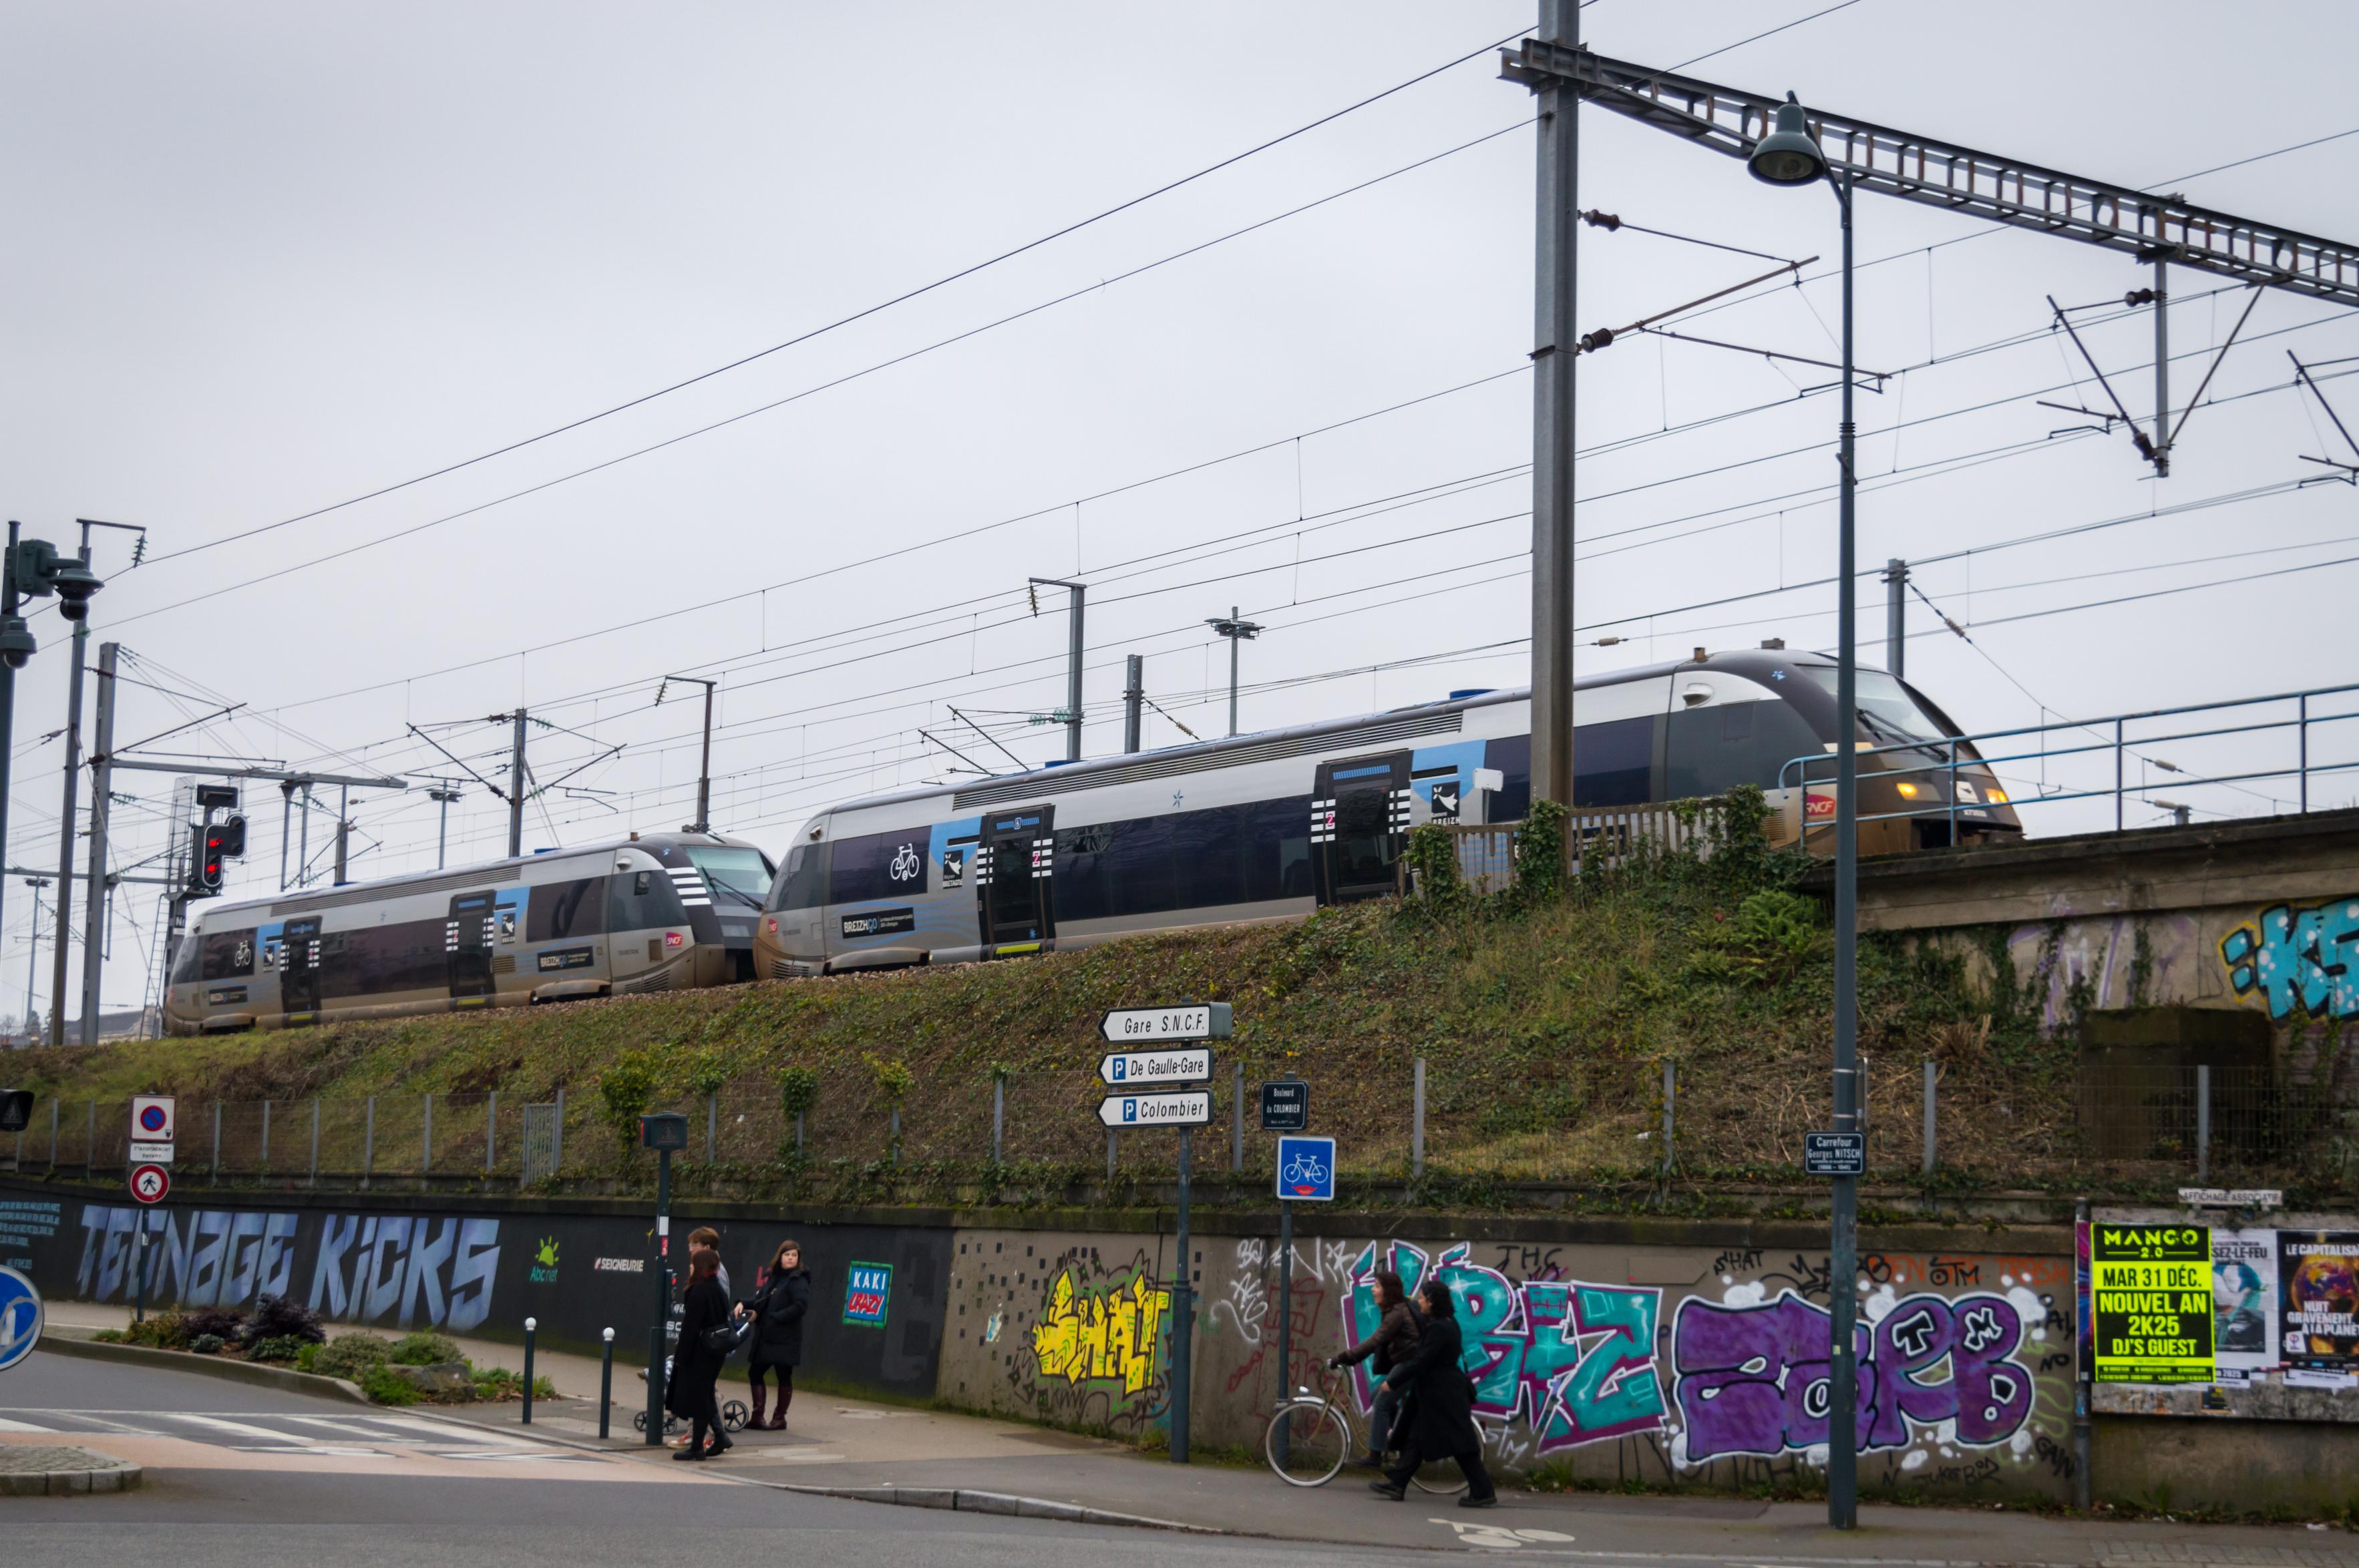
1560 1118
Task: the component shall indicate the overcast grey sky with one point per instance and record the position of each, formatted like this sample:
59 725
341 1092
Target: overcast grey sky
263 260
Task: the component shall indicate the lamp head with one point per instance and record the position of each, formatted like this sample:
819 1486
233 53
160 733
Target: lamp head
16 643
1788 155
74 583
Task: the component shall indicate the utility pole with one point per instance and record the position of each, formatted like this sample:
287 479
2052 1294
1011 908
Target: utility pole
1895 618
303 844
18 649
2162 365
1134 698
703 823
1236 631
286 810
343 832
33 960
66 819
1075 592
442 795
1555 339
99 890
516 790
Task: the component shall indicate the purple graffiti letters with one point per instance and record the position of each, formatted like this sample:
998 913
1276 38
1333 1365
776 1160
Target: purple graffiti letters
1754 1378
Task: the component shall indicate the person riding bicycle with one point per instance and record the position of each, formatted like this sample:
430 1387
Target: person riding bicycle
1392 1343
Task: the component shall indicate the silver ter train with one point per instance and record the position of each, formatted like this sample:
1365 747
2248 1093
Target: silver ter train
653 913
1274 824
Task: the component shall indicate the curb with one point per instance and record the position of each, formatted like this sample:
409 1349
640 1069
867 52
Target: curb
284 1379
78 1470
964 1499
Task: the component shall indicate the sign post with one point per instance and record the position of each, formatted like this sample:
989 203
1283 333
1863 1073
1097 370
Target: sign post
663 1132
153 1125
1167 1087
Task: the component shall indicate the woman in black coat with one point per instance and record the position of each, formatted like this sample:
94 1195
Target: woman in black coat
696 1366
1440 1419
776 1311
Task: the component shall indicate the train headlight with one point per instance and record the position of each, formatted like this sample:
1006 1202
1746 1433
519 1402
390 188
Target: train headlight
1995 795
1907 791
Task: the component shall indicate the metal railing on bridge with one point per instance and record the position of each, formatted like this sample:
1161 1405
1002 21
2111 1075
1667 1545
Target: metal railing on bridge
2243 757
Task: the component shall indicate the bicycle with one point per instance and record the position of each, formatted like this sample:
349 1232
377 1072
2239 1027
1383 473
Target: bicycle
1311 1435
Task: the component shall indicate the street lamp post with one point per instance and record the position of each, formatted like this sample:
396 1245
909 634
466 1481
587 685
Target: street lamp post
1789 154
1236 631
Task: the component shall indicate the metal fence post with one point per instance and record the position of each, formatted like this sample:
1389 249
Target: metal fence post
315 1140
1112 1136
426 1139
90 1137
998 1116
2202 1123
264 1165
557 1135
1238 1124
368 1142
2303 733
491 1129
712 1128
893 1136
1671 1092
798 1132
217 1141
2116 777
1417 1120
53 1135
1929 1143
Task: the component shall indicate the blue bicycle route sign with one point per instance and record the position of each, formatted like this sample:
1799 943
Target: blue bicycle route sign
20 1318
1305 1170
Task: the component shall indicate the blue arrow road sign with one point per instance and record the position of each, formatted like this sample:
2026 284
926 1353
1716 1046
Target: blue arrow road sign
1305 1170
20 1318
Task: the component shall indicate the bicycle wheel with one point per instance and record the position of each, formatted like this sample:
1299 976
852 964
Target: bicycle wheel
1306 1443
1441 1477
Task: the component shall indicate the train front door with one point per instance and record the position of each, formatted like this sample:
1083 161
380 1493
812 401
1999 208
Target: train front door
1014 880
1359 826
298 967
467 943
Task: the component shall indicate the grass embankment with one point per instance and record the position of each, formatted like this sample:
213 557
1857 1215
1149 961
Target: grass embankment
1544 1019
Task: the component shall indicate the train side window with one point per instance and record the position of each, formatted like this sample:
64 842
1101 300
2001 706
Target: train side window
226 956
560 909
803 884
187 960
639 900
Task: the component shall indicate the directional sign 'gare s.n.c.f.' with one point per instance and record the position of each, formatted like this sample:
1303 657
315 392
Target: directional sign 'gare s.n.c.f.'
1155 1026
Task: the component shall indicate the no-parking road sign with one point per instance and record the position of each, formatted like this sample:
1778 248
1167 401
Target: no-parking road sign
150 1182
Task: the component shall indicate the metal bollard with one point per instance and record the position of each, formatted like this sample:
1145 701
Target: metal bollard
529 1325
606 1387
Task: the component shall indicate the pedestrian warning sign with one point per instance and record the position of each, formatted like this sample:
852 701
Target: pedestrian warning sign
2150 1302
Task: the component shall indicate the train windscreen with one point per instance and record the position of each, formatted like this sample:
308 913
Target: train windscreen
1887 712
738 871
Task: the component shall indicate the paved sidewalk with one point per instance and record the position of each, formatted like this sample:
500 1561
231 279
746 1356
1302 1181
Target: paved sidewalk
838 1443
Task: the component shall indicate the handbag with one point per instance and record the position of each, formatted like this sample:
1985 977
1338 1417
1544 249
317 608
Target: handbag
723 1337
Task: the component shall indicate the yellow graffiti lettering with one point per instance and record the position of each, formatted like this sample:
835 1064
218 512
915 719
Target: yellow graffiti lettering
1115 1336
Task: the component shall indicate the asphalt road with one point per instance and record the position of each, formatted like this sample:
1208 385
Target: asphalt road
251 1478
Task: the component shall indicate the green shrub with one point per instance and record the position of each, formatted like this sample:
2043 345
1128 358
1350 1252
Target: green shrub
1433 862
626 1089
207 1344
351 1355
220 1322
797 1091
276 1317
307 1359
278 1347
495 1384
383 1387
110 1336
164 1331
424 1349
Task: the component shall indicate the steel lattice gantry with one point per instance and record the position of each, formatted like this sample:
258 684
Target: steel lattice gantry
1729 120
